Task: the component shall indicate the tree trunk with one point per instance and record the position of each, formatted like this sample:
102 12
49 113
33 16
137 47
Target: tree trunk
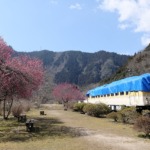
4 107
65 105
9 109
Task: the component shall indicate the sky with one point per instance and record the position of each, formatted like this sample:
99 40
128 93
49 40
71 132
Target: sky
121 26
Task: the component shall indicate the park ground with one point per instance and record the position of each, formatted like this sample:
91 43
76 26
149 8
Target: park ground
67 130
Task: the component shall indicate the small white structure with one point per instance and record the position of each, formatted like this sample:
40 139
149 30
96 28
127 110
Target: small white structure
132 91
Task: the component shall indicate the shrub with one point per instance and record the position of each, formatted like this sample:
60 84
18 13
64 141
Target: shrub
96 110
17 110
142 124
89 109
123 107
71 104
102 109
79 107
146 113
113 115
128 115
76 107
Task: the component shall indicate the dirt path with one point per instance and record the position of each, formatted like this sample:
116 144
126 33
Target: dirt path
114 142
100 137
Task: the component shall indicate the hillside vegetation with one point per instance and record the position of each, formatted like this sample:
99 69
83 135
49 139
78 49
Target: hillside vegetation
136 65
78 67
88 70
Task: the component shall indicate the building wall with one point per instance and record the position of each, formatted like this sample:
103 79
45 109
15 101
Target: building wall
123 98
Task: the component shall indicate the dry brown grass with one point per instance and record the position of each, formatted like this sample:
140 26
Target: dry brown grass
48 144
67 130
95 124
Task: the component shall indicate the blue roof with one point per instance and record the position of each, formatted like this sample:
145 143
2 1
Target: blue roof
134 83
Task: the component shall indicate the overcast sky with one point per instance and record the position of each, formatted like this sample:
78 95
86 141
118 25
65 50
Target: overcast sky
121 26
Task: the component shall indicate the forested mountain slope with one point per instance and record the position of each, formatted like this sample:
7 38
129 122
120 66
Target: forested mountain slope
136 65
79 67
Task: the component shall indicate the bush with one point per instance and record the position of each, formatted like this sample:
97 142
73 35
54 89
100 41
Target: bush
88 109
102 109
146 113
79 107
71 104
17 110
113 115
142 124
128 115
96 110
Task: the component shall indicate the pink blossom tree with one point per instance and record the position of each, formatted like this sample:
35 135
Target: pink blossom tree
19 76
5 51
66 92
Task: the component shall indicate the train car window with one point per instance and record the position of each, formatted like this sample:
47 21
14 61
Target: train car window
104 95
127 93
116 94
112 94
108 95
121 93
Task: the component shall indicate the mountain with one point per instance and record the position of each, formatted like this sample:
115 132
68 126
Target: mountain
136 65
79 67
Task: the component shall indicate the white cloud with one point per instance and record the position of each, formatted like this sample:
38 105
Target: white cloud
132 13
123 26
75 6
145 39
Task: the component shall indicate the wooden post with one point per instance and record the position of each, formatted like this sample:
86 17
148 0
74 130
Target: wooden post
41 112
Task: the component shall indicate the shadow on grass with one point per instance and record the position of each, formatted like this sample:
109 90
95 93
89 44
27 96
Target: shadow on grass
47 127
144 136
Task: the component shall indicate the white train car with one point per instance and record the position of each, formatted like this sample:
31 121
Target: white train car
131 91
